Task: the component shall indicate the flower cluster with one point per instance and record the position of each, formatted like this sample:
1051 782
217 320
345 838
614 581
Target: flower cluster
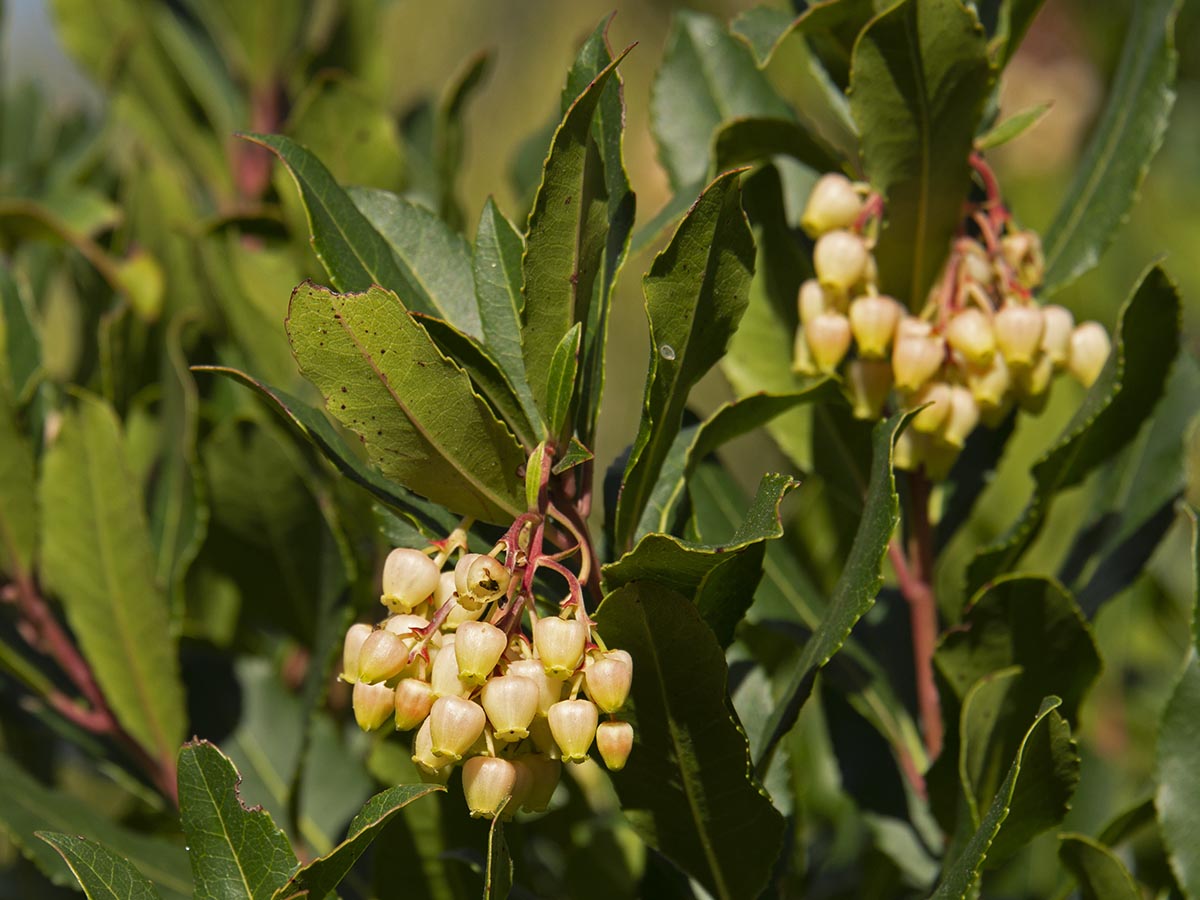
454 664
981 345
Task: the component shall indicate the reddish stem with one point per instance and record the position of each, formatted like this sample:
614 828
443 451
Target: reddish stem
44 632
872 207
914 574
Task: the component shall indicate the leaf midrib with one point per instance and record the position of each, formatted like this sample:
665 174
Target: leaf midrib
220 814
119 610
467 473
686 771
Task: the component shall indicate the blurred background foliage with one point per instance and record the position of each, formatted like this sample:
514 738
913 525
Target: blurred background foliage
119 178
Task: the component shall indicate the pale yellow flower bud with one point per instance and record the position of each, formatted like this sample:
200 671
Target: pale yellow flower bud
559 644
812 301
917 354
355 636
383 656
454 725
614 740
488 784
608 679
930 419
990 383
373 705
870 382
414 698
409 577
840 259
549 689
443 676
1019 333
964 416
433 767
1090 347
969 331
1056 335
510 702
478 648
573 724
829 340
833 203
873 320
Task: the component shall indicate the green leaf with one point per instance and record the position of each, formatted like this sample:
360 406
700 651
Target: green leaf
1123 397
1045 743
497 267
489 380
696 292
102 874
351 132
18 494
1134 496
316 788
21 345
730 421
787 594
672 211
325 873
707 77
98 560
1126 137
1012 127
855 591
1012 21
448 133
435 261
560 381
719 578
235 852
919 79
748 140
761 350
566 242
314 426
574 455
415 410
354 254
27 807
1101 875
687 788
1042 796
178 507
1177 773
498 877
761 27
608 133
1026 621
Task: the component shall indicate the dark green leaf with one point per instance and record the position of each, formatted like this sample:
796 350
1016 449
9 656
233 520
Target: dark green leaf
1126 137
497 268
719 578
760 352
325 873
1101 875
436 261
313 424
489 380
748 140
566 246
854 592
1122 398
688 788
27 807
1178 768
1135 495
1012 127
235 852
98 559
707 77
498 877
21 344
608 129
422 423
917 88
354 254
575 455
695 296
1026 621
787 594
560 381
178 508
1045 744
102 874
18 494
